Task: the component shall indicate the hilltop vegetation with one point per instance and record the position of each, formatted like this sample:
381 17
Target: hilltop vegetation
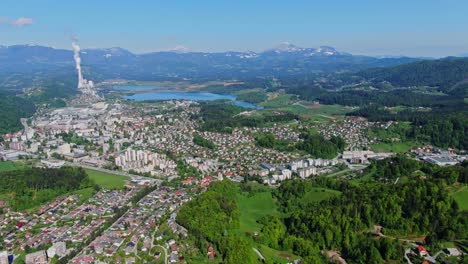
203 142
319 147
212 217
419 207
30 187
223 117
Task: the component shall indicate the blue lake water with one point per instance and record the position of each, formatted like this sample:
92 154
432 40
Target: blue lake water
175 95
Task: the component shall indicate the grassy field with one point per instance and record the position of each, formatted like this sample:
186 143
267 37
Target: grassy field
276 100
461 196
10 165
317 112
253 208
398 147
319 194
107 180
275 256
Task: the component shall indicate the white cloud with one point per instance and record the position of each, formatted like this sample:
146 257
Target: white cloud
21 22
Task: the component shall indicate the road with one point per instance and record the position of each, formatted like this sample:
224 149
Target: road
339 172
166 256
408 251
259 254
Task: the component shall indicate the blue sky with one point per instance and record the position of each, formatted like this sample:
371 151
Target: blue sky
374 27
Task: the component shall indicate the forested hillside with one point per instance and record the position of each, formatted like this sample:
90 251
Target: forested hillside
443 73
12 109
420 207
29 187
212 218
222 117
443 127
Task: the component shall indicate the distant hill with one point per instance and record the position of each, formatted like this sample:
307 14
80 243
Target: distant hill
450 75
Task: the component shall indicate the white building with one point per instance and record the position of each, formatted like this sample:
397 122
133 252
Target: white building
4 257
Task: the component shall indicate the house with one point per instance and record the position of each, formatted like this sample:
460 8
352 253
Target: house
4 257
83 259
57 249
130 260
211 253
157 255
173 258
422 251
39 257
174 248
170 242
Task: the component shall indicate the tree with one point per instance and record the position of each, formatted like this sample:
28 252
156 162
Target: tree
237 249
273 231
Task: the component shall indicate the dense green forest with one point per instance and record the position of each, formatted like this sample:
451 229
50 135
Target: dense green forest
418 207
12 109
319 147
313 143
444 73
201 141
211 219
387 98
224 117
268 140
30 187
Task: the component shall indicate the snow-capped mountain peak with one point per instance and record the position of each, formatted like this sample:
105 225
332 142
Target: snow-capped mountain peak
287 47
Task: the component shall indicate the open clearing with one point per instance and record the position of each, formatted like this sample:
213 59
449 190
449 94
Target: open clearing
461 196
276 256
10 165
318 194
253 208
107 180
398 147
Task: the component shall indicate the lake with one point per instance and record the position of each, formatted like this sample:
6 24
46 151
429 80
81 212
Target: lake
176 95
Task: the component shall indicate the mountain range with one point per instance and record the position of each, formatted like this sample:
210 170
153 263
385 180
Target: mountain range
99 64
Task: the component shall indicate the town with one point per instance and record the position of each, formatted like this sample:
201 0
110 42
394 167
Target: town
152 145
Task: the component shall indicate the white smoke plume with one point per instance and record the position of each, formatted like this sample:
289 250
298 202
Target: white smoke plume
82 82
76 56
